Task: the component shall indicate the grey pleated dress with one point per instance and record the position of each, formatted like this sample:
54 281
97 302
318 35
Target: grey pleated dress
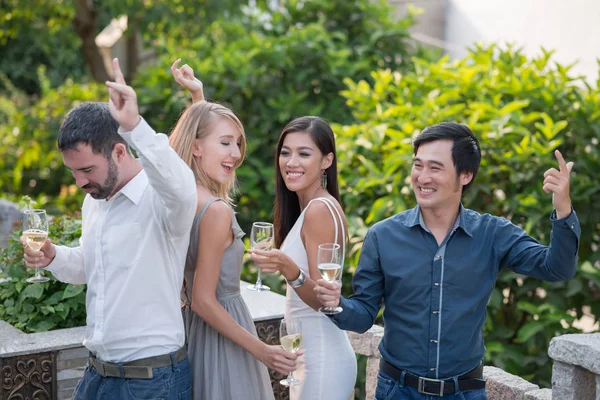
222 370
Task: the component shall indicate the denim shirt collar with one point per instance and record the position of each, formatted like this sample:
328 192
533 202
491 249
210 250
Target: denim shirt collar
463 220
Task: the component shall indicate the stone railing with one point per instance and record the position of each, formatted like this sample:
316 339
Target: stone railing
576 369
575 376
49 364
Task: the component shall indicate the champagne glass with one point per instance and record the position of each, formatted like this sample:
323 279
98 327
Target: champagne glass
261 237
290 337
35 231
330 266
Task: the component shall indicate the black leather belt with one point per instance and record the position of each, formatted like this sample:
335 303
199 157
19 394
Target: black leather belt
137 369
436 387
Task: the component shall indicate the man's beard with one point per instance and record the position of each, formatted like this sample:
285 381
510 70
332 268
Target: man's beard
102 192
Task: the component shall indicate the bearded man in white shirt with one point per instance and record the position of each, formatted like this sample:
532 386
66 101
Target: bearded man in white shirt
137 218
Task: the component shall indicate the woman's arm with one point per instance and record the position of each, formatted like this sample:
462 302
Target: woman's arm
318 228
185 77
215 237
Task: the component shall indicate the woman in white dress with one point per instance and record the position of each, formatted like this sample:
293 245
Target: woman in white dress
308 213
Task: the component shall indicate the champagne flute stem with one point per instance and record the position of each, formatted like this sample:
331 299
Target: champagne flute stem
258 279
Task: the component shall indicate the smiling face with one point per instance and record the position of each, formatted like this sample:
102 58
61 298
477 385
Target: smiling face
219 153
434 179
301 163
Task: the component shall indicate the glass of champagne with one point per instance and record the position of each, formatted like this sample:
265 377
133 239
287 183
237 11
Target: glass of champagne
330 266
290 337
35 231
261 237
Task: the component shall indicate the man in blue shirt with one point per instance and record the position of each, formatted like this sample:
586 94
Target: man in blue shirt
435 267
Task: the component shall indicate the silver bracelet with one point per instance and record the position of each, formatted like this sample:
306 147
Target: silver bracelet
296 283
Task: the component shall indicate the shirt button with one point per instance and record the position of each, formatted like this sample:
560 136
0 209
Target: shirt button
432 369
573 225
435 312
438 257
433 341
436 284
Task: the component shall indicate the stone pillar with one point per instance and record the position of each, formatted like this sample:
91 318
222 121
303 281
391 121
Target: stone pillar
576 370
367 344
9 214
570 382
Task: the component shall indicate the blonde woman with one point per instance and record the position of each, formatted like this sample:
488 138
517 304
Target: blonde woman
227 359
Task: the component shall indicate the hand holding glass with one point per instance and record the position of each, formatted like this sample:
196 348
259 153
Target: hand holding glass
35 231
290 337
261 237
330 266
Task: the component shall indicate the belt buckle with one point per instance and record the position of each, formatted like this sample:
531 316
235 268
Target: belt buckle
423 389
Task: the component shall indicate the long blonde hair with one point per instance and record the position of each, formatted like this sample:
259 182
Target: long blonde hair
196 122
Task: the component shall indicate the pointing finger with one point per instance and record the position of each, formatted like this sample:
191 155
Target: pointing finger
119 78
561 162
175 64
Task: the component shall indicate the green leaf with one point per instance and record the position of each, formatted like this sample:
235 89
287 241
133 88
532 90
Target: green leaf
34 290
529 330
72 291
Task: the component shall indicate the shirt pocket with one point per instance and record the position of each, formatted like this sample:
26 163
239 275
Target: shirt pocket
123 244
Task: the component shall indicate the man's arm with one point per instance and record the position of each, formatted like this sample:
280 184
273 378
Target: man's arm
170 177
555 262
360 309
67 266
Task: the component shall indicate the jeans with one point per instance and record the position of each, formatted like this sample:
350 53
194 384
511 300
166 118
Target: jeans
167 383
391 389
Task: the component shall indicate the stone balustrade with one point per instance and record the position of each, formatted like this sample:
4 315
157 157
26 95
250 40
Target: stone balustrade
576 369
49 364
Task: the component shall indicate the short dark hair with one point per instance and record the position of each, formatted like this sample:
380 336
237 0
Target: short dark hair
92 124
287 206
466 153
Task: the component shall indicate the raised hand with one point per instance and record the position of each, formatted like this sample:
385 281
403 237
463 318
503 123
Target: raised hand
558 182
122 100
185 77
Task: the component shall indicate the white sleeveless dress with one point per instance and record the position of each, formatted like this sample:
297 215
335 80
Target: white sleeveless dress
328 367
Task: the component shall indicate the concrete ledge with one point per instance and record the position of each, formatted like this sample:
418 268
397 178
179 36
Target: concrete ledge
541 394
367 343
500 385
577 349
42 342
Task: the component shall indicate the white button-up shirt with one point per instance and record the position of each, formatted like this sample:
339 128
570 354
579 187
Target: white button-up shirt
132 254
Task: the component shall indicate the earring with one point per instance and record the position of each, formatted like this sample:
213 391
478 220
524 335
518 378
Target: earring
324 179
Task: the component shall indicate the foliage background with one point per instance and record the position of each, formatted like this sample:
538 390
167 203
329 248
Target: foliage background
351 63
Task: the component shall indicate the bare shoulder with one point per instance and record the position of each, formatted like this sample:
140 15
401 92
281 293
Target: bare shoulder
316 211
219 209
319 209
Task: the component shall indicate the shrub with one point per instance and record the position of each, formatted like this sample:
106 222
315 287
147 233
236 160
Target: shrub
38 307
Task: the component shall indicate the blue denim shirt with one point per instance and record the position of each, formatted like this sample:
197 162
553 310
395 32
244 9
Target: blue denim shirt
436 295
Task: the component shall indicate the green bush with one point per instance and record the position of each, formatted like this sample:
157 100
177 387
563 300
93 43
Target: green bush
38 307
521 109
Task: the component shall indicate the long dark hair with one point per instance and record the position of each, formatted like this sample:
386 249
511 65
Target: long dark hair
287 206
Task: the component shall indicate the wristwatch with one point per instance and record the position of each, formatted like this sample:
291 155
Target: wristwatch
299 281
